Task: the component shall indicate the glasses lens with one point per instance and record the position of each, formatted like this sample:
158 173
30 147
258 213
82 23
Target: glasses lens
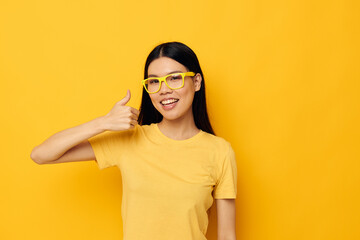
174 80
152 84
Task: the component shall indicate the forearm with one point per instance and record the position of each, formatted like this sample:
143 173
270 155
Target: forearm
227 238
56 145
233 237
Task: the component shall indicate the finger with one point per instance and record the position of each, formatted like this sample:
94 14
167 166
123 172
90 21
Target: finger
126 99
133 122
134 116
135 111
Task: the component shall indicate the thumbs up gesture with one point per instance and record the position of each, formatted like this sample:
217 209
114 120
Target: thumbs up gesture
121 117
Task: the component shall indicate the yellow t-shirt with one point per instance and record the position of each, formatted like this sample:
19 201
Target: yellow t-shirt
168 185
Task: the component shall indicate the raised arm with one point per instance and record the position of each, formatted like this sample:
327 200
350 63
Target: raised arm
68 140
72 144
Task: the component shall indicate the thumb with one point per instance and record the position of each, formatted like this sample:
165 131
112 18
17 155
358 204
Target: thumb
126 99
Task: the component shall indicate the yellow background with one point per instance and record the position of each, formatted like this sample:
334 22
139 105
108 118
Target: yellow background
282 82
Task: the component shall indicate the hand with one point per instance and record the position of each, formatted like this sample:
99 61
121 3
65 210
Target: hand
121 117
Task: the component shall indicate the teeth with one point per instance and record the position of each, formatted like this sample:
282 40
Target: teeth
169 101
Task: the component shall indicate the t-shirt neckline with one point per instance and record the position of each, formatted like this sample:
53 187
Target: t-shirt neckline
167 139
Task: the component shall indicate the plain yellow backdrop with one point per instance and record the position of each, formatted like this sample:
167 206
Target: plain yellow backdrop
282 84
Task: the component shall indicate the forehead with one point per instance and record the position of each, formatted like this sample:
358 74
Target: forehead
163 66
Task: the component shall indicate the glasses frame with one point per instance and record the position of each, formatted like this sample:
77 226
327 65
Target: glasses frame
163 79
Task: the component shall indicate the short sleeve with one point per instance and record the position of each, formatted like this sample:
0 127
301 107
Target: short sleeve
226 186
108 147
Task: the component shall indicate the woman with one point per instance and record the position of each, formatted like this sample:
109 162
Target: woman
172 164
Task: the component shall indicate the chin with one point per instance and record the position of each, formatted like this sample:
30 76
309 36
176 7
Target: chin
173 114
170 116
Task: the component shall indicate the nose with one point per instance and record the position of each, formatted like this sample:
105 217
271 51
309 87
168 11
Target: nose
164 88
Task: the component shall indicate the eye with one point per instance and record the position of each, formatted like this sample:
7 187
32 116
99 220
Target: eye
153 81
176 77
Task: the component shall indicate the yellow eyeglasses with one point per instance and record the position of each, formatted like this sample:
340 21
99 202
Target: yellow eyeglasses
173 81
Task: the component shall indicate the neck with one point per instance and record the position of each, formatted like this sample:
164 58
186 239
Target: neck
179 129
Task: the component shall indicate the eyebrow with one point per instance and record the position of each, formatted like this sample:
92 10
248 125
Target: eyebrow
153 75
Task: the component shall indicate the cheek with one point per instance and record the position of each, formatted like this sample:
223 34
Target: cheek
188 96
189 91
154 100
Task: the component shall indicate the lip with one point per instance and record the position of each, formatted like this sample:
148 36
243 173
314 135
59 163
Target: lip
169 106
168 99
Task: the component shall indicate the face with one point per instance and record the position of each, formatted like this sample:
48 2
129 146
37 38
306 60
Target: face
177 103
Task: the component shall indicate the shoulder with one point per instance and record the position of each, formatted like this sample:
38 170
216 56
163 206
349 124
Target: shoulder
143 127
119 135
217 143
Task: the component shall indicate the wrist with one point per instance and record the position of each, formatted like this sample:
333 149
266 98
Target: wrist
99 124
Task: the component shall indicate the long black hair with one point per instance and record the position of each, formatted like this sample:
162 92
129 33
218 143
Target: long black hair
184 55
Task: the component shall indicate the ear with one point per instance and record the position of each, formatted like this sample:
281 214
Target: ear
197 81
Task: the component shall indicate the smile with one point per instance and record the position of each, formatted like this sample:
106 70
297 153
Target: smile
169 101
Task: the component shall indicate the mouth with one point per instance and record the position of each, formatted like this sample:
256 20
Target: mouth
169 101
